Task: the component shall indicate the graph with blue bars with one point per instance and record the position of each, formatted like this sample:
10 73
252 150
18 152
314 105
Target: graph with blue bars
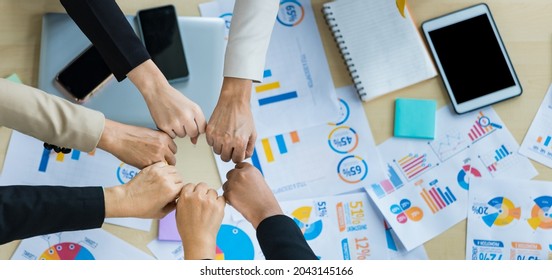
501 153
271 87
386 187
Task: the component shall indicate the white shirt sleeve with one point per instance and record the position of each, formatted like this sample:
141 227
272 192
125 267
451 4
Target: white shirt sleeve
250 31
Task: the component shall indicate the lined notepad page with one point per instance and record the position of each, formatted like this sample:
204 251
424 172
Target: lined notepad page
384 49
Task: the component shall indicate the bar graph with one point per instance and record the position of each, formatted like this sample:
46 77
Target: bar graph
501 153
482 127
542 146
546 142
277 145
436 198
498 160
386 187
271 87
60 157
413 165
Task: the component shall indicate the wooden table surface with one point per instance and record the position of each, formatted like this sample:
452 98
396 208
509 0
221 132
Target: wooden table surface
525 27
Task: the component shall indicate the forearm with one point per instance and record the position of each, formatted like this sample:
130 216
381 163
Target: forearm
149 80
249 37
49 118
281 239
106 26
27 211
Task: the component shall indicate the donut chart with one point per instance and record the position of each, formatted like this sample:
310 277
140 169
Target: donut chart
233 244
301 216
462 177
66 251
505 213
540 213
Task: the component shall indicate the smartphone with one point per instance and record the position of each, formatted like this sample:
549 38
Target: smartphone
83 76
160 34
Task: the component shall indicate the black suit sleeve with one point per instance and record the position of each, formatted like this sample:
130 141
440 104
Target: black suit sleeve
105 25
281 239
27 211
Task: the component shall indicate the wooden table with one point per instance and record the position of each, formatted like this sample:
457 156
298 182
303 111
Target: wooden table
525 27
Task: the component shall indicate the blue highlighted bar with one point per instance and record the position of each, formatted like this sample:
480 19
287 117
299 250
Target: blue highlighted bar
75 155
378 190
44 160
448 191
278 98
547 141
394 177
267 73
501 153
281 144
443 196
255 161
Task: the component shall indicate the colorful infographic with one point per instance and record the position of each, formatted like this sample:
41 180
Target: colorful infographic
435 176
537 144
66 251
509 220
328 159
234 244
29 163
95 244
297 89
338 227
302 216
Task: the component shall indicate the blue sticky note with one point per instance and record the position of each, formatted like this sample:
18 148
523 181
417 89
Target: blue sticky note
14 78
415 118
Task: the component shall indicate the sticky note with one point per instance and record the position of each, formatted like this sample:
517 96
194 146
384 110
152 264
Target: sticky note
14 78
415 118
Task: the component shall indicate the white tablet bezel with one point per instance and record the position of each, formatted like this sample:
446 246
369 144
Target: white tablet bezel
491 97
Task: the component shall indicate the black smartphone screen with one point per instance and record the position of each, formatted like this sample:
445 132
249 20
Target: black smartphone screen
161 35
84 73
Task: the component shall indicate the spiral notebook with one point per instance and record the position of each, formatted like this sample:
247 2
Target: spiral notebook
380 44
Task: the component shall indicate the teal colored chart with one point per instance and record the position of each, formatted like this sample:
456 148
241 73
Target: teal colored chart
234 244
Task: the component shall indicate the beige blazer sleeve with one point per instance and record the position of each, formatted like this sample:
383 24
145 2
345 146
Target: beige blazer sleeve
252 23
49 118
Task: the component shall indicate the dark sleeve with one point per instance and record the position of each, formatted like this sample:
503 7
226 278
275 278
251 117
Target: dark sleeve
27 211
105 25
281 239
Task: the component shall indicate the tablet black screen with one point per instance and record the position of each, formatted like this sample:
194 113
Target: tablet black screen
471 58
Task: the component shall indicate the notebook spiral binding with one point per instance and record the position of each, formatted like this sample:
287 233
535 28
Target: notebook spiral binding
336 32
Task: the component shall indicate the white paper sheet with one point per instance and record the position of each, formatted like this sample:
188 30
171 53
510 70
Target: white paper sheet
297 90
509 219
427 190
95 244
337 228
537 144
29 163
328 159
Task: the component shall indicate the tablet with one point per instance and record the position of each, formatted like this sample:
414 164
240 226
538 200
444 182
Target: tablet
471 58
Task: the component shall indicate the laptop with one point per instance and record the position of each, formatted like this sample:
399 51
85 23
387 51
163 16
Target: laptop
204 45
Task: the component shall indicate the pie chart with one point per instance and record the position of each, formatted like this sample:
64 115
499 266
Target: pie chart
233 244
463 179
505 213
301 216
540 214
66 251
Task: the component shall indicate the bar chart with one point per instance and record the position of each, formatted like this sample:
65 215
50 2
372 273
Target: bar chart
436 198
266 91
386 187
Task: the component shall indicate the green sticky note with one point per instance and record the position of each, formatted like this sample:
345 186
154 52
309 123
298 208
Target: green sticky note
415 118
14 78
